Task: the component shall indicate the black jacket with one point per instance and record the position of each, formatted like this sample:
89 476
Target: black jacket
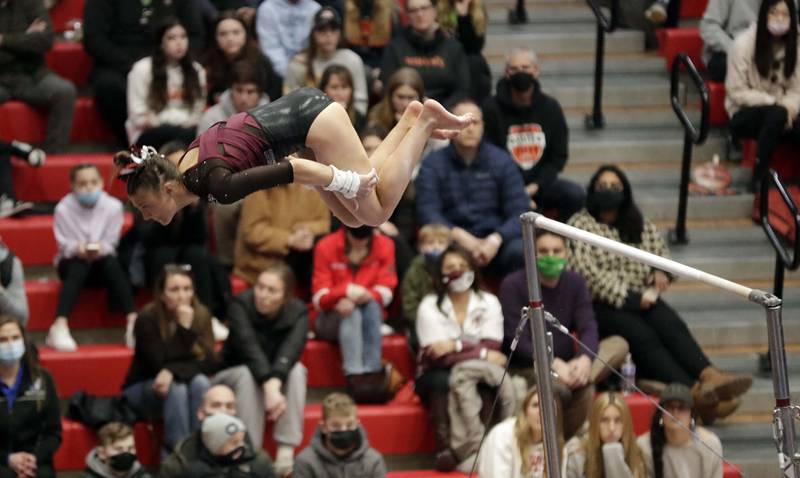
33 424
269 348
23 53
441 62
117 33
316 461
152 353
535 135
191 460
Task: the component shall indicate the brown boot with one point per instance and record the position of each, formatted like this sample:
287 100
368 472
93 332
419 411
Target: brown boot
715 384
707 415
445 458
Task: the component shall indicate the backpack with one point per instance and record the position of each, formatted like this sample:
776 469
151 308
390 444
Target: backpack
94 411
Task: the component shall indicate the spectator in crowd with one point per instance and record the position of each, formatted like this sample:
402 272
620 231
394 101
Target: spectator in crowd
165 90
13 300
566 296
184 241
609 448
26 35
115 454
117 35
762 86
233 44
432 241
474 188
198 456
404 86
245 93
353 283
325 49
339 446
9 205
29 416
439 59
174 354
457 322
87 227
722 21
466 20
337 82
269 326
283 29
515 447
273 229
626 298
672 448
368 28
532 127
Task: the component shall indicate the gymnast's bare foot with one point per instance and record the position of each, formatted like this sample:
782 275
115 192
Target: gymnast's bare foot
444 133
435 114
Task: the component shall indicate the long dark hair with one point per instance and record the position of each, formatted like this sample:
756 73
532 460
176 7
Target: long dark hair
658 440
346 77
158 96
151 173
438 279
763 53
312 52
629 222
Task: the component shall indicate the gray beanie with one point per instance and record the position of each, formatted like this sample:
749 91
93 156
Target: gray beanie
218 429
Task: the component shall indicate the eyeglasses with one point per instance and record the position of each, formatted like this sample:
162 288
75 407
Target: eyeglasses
412 11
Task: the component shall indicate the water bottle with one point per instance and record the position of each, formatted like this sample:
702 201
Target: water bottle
628 375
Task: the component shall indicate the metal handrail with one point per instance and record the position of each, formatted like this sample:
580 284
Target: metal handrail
692 135
605 24
789 259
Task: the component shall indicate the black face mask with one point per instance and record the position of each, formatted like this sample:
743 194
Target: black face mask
232 458
607 199
344 439
521 81
361 232
122 461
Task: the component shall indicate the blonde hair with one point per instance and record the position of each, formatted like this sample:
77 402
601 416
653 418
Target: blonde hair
447 17
339 404
433 231
524 435
113 432
593 443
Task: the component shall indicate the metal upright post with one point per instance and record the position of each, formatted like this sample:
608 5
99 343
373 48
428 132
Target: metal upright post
541 356
596 120
678 236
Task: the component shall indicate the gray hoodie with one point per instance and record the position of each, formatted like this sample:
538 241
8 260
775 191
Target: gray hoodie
96 468
223 110
13 300
316 461
722 21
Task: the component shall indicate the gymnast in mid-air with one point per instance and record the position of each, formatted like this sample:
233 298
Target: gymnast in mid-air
303 137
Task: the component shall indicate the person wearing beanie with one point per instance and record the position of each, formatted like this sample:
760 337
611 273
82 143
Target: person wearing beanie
115 455
670 449
339 447
221 447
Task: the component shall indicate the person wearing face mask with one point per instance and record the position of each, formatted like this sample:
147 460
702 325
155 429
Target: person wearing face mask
432 240
30 419
339 447
457 322
762 86
194 456
627 302
566 296
353 282
115 454
87 227
173 357
532 127
269 326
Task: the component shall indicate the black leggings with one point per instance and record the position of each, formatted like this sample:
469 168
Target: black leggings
76 272
661 345
766 124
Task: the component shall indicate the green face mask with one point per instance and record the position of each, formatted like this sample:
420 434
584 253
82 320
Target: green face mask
551 266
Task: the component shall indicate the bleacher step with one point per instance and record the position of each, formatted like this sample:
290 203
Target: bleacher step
624 145
557 38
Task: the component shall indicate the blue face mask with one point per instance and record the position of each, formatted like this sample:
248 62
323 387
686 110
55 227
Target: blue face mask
12 351
433 255
88 198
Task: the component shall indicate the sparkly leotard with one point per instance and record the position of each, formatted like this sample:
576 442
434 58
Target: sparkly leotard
245 153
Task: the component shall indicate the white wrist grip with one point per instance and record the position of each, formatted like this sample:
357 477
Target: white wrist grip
344 182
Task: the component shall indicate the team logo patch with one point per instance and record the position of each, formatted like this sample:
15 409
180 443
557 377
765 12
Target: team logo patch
526 142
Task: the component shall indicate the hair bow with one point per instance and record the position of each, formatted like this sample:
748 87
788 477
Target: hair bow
137 161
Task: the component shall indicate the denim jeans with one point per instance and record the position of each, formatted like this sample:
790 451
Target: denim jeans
359 336
179 408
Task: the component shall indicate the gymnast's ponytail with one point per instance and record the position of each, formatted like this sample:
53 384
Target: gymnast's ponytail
148 169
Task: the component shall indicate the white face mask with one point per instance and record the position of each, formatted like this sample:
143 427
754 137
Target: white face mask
461 283
12 351
778 28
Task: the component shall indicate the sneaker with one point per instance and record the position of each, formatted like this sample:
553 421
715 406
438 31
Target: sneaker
59 338
130 339
10 207
220 331
386 329
656 14
284 460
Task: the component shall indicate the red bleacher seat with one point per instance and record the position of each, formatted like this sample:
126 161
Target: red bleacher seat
693 8
64 11
425 474
77 441
25 123
673 41
70 61
50 182
716 100
784 160
79 370
642 411
32 239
